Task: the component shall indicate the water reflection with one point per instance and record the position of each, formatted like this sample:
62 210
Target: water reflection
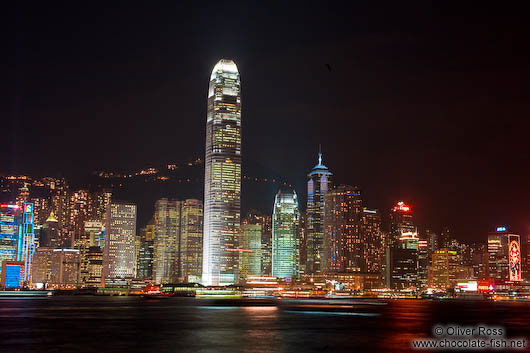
103 324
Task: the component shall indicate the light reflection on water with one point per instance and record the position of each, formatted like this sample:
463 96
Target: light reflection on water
127 324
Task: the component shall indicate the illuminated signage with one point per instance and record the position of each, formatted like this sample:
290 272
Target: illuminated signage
514 255
28 208
501 229
484 286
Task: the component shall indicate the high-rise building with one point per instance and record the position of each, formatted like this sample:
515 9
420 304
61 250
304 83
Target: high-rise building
166 241
342 242
423 262
190 244
285 239
146 251
94 267
222 185
402 251
120 232
250 250
318 184
10 218
444 268
373 240
57 268
265 223
504 249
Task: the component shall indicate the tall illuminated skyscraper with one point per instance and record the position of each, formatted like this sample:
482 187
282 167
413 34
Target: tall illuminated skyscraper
190 247
222 184
318 184
285 238
166 240
120 232
342 243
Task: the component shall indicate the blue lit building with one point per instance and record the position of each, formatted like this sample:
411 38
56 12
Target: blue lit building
10 220
17 237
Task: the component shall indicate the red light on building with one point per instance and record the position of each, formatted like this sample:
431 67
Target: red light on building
401 206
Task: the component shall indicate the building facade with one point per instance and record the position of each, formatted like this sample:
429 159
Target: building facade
120 234
250 250
285 240
222 186
342 242
318 184
166 240
504 255
190 246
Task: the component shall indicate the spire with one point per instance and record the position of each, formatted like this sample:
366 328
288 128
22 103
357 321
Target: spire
319 154
51 218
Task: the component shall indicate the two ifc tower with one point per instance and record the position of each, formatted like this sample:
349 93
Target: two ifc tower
222 184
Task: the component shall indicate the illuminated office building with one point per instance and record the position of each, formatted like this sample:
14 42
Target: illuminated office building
222 185
146 252
265 222
94 267
10 221
504 250
404 262
423 262
285 223
444 268
402 251
373 241
26 241
342 243
166 241
318 184
250 249
120 231
57 268
190 241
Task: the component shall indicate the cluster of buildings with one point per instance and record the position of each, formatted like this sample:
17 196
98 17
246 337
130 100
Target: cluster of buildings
62 238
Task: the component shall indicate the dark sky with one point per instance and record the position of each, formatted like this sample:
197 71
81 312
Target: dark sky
426 103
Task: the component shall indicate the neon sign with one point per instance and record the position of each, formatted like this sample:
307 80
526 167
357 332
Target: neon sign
501 229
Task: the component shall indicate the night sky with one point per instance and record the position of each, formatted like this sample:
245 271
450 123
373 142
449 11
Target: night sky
420 102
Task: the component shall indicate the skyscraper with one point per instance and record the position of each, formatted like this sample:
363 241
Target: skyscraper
318 184
504 249
402 253
250 250
166 240
146 251
120 232
222 184
190 246
342 245
285 239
